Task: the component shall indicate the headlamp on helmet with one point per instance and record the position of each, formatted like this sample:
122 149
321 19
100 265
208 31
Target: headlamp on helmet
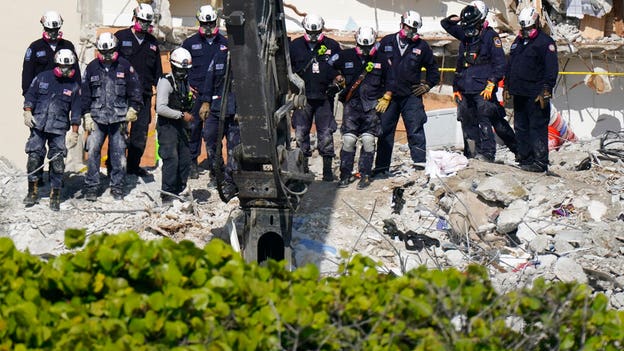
143 18
51 22
207 17
106 45
365 40
411 21
527 19
471 21
181 62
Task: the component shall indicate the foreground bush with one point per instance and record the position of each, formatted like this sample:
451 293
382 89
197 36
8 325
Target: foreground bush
122 293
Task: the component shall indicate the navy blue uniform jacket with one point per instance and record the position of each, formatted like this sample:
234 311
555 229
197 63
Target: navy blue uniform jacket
51 100
480 59
532 65
311 66
202 54
144 57
406 69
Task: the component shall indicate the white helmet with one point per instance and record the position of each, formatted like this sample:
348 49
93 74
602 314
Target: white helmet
51 20
481 6
365 36
106 41
65 57
206 14
144 12
411 19
528 17
313 23
181 58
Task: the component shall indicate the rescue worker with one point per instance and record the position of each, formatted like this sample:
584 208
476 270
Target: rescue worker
174 103
531 76
140 48
309 54
364 72
203 46
213 93
480 66
111 97
40 54
51 105
408 54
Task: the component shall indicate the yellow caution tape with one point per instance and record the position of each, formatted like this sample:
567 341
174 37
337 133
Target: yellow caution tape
569 73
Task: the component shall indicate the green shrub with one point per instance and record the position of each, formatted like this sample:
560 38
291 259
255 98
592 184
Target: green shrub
123 293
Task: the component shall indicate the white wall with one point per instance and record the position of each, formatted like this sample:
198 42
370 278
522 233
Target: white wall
21 25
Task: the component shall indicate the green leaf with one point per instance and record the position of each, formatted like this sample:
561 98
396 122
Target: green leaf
75 238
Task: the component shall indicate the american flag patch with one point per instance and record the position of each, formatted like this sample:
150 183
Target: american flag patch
153 47
378 65
120 75
416 51
67 92
222 47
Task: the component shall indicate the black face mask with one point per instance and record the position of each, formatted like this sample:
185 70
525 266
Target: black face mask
365 49
471 31
207 28
52 33
179 73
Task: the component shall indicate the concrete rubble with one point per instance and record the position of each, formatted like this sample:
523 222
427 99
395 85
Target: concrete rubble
567 225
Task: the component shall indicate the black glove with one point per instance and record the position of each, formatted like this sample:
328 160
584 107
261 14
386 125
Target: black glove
544 98
420 89
332 90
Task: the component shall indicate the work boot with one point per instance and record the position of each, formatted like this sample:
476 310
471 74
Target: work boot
484 158
194 173
365 181
90 194
533 167
328 174
344 182
117 194
32 197
55 199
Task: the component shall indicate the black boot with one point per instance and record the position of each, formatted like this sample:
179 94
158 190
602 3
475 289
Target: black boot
328 174
194 173
55 199
32 197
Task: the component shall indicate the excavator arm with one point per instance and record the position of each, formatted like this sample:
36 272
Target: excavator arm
272 176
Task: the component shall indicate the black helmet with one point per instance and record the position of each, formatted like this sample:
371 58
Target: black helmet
471 20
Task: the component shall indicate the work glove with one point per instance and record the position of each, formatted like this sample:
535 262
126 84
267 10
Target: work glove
132 115
88 124
506 95
457 97
383 102
487 92
204 110
28 119
544 98
72 139
420 88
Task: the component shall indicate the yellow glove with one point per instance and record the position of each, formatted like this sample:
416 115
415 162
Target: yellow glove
487 92
132 115
204 110
457 97
383 102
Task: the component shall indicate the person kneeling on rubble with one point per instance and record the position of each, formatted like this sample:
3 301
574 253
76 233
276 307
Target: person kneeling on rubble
49 100
364 72
531 75
175 100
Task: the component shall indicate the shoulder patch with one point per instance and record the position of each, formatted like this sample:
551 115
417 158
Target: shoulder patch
28 54
497 42
551 47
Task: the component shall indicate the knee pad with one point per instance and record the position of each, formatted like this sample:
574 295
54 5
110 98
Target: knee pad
348 142
58 165
368 142
34 162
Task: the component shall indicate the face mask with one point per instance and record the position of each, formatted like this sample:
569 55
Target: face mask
366 50
409 33
529 33
108 56
208 29
64 71
143 26
313 37
471 32
179 73
52 34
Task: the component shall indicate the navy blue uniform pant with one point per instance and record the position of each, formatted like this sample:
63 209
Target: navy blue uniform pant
116 133
36 150
320 112
531 125
197 126
476 116
412 110
174 151
357 122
